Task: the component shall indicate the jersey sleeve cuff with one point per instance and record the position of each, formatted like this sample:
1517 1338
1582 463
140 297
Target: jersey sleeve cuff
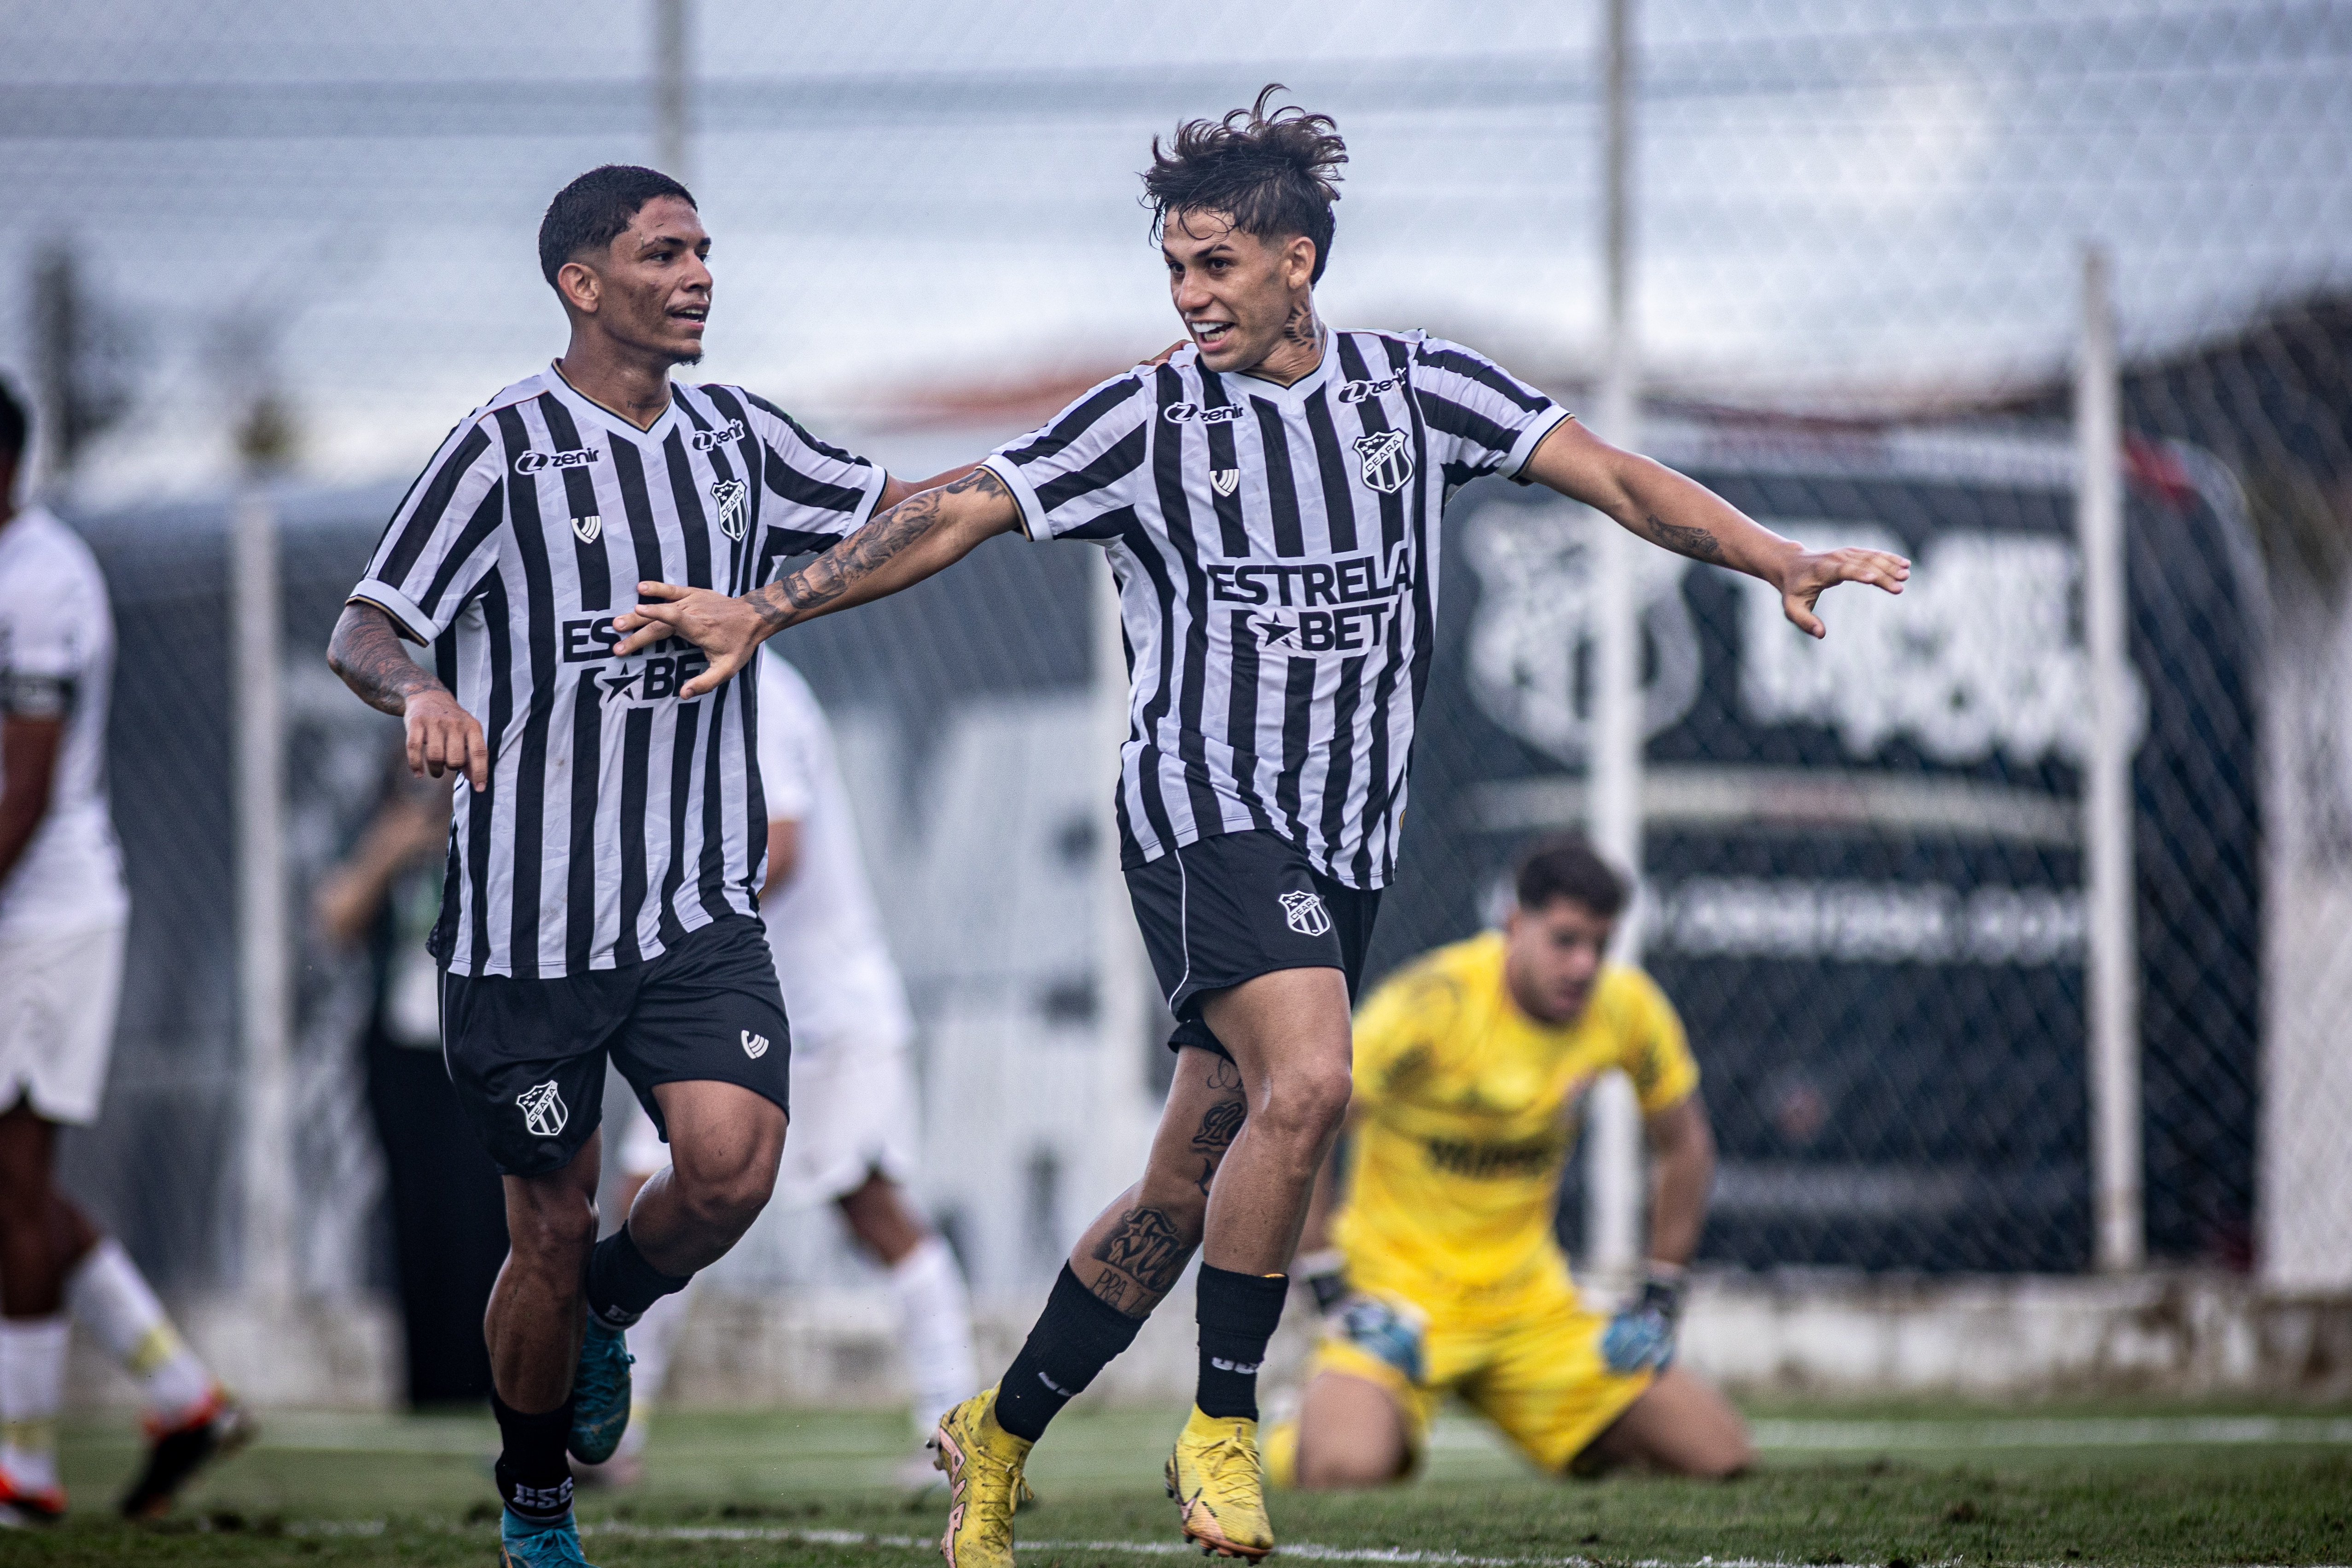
877 481
1032 515
1543 425
405 617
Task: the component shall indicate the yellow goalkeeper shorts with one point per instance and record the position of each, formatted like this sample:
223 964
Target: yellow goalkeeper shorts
1531 1365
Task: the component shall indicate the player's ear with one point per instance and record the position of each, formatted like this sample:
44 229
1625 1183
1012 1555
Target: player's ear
577 282
1298 261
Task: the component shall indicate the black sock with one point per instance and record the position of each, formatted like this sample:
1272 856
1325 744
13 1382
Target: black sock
621 1284
534 1474
1238 1313
1076 1337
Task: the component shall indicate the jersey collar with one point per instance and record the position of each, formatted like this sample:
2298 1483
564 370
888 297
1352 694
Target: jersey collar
584 407
1294 396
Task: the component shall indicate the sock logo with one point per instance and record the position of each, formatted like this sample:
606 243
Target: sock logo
1058 1388
754 1046
543 1111
554 1499
1246 1368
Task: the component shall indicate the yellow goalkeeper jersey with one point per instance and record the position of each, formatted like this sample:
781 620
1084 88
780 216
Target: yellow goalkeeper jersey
1463 1118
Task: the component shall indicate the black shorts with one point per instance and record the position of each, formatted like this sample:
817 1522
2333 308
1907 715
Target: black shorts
1230 909
528 1056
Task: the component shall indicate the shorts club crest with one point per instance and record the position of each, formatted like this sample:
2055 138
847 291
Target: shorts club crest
1305 913
543 1109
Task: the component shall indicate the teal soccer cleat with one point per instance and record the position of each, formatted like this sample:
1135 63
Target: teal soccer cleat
600 1394
522 1544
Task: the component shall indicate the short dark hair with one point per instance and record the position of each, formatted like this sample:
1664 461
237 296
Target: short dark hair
1565 867
16 426
1275 174
596 209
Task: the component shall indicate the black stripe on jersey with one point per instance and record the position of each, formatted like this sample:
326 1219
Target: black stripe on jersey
479 527
419 531
803 491
711 886
1282 491
681 791
1176 515
443 940
630 468
749 447
755 796
1119 459
1078 421
1241 718
1375 422
530 798
1376 758
1297 729
636 763
1337 777
480 810
1231 529
580 495
587 770
1338 497
692 519
1451 417
1425 555
797 428
1146 555
737 546
1485 375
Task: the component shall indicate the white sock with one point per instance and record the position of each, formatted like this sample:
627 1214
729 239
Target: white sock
652 1340
934 1330
109 1295
32 1386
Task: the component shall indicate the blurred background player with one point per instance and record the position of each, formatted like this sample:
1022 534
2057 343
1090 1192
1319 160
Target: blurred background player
64 912
448 1208
1446 1275
854 1143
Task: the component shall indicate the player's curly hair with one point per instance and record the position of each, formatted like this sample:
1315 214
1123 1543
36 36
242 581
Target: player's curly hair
594 210
1275 173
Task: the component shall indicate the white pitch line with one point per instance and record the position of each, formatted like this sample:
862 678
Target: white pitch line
2076 1432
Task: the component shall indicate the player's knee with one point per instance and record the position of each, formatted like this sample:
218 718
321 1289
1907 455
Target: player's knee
554 1223
726 1196
1722 1455
1305 1103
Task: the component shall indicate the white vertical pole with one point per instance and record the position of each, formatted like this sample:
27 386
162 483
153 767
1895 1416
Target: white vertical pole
1123 969
1613 1150
264 963
2113 961
670 80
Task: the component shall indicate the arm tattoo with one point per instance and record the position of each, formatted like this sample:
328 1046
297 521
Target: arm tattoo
821 581
1147 1249
1695 543
366 652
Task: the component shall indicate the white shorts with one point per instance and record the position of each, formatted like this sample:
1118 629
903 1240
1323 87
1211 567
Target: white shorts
57 998
853 1114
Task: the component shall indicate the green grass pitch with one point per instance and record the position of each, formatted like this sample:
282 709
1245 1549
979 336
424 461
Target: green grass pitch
1911 1485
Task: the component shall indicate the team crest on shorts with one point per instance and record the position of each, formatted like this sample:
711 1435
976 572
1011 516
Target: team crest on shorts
754 1046
542 1110
734 500
1387 464
1305 913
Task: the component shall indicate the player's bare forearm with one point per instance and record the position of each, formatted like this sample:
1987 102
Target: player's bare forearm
366 651
28 756
1682 1172
924 534
896 489
1676 512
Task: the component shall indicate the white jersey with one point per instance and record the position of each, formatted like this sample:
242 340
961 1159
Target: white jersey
56 661
839 983
1277 552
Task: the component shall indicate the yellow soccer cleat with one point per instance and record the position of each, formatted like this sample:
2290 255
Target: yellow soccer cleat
1214 1477
983 1463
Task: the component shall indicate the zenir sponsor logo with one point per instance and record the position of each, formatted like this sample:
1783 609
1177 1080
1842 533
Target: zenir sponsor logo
731 431
535 462
734 498
1387 464
1188 413
754 1046
1364 391
1305 913
542 1110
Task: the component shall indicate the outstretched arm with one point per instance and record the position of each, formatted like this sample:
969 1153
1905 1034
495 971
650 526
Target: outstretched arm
1682 1171
1660 505
442 738
923 534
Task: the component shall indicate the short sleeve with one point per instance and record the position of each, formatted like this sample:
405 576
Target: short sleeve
50 638
817 493
787 756
1399 1028
1081 466
442 541
1485 420
1653 1049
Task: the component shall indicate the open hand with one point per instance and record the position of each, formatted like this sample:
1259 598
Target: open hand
728 630
1805 577
443 739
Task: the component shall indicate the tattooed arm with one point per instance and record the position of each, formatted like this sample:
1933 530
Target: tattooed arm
442 738
1658 504
923 534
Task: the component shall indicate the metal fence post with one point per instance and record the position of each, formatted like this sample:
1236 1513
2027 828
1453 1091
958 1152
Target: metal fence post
2112 968
670 86
1613 1149
264 963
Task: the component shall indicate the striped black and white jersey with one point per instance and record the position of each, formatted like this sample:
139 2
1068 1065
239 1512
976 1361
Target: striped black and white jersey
1277 554
618 817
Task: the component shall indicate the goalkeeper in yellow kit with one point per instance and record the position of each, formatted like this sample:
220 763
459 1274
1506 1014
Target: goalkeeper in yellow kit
1434 1262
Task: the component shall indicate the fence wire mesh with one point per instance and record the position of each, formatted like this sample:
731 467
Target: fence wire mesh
278 239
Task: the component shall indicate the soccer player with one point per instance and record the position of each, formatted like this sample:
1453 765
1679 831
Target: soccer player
1270 498
608 836
64 911
1446 1275
852 1074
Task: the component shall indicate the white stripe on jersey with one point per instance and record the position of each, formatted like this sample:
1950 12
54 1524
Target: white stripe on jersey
1277 554
618 818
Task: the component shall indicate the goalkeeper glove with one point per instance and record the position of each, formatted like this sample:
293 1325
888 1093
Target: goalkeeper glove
1385 1330
1642 1337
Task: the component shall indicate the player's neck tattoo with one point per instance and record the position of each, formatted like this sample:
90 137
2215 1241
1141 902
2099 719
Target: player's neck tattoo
1300 344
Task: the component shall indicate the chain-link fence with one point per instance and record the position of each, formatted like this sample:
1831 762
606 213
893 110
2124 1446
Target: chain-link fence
282 237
